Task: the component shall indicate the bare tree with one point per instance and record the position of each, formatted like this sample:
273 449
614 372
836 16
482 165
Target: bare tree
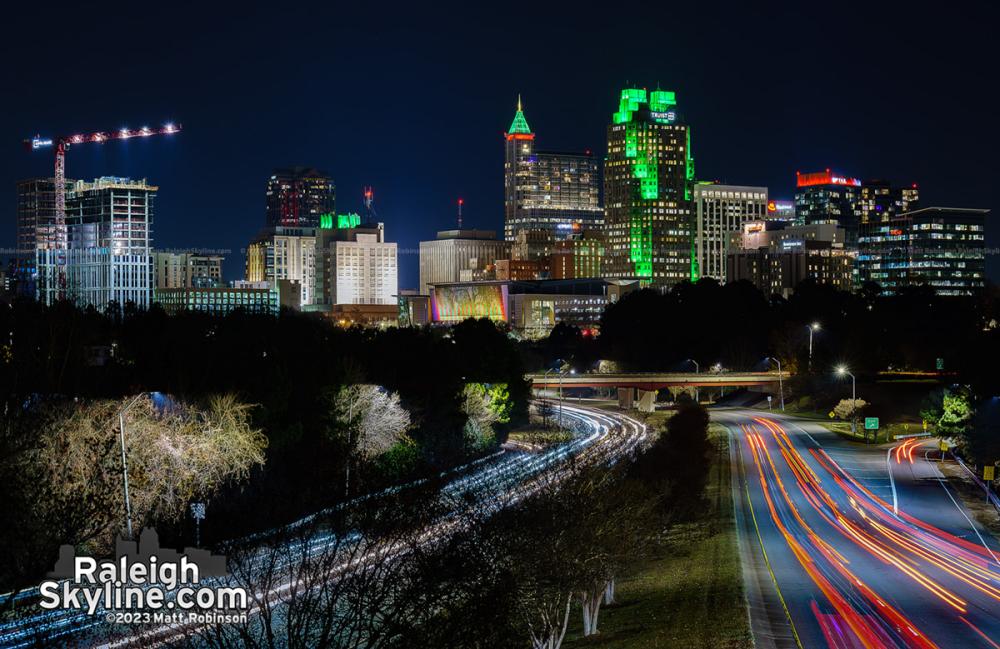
173 454
371 419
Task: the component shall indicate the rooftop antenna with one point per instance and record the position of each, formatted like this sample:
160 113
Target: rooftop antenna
369 201
461 201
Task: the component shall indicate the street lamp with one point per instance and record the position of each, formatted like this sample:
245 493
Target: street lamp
697 370
841 371
781 386
813 327
121 428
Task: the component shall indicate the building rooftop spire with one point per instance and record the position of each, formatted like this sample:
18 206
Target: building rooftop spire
519 125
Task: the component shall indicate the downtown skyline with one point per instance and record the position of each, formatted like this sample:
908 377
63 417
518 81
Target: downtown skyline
423 126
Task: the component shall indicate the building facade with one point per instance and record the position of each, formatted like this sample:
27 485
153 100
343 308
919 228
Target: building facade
579 257
356 265
453 251
776 257
879 201
219 300
531 308
108 256
828 197
284 253
940 247
186 269
648 192
719 211
297 197
543 190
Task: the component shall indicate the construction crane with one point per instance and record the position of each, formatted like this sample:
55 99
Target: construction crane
61 144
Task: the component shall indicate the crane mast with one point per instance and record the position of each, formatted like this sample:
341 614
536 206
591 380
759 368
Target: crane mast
61 144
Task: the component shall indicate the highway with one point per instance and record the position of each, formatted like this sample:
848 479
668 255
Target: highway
601 437
847 546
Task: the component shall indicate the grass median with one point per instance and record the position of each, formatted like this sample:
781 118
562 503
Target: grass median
690 592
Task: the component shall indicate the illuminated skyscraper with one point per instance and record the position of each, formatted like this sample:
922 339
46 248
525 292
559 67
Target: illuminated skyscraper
828 197
880 201
558 192
648 185
721 210
298 196
940 247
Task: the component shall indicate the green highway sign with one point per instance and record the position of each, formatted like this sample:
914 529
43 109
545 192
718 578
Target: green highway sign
871 423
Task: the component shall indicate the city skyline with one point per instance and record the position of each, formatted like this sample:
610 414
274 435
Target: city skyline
235 141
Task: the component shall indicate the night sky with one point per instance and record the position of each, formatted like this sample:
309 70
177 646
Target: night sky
413 101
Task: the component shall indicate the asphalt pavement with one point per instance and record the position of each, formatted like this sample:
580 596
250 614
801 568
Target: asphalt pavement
847 546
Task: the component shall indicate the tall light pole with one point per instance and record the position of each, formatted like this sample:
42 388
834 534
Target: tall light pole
697 370
813 327
781 386
121 429
842 370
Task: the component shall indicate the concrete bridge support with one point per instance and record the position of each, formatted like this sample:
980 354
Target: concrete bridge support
647 400
626 397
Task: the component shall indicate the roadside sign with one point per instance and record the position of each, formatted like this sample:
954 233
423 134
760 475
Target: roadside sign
832 415
925 425
939 364
943 445
988 472
871 423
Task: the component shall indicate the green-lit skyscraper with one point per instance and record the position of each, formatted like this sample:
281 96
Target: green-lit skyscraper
648 184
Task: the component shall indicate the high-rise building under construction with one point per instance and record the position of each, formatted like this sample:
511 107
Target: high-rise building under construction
648 185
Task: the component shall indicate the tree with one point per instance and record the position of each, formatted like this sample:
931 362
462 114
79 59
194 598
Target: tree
485 405
174 453
370 421
849 409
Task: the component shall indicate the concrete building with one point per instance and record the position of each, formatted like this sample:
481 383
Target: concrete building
444 258
648 191
719 211
284 253
579 257
261 298
544 190
776 257
532 308
515 269
186 269
355 265
108 256
940 247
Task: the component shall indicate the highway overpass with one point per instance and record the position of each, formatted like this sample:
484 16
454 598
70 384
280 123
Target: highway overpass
658 380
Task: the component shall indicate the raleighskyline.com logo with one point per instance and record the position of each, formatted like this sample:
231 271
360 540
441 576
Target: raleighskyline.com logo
143 578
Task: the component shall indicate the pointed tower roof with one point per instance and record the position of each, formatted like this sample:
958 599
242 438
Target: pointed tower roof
519 125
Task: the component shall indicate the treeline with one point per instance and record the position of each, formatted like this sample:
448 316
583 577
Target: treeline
737 327
430 399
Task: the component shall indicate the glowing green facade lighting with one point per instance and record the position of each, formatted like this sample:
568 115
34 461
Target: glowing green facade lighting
631 100
326 221
662 100
350 220
520 124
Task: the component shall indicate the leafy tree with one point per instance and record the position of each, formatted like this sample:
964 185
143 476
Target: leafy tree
849 409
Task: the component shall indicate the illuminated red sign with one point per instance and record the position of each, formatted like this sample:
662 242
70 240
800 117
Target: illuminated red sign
895 233
519 136
824 178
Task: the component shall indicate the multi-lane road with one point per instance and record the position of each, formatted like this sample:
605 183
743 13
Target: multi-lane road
505 477
848 546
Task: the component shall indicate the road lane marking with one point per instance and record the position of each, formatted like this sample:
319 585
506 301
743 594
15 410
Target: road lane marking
892 482
975 529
